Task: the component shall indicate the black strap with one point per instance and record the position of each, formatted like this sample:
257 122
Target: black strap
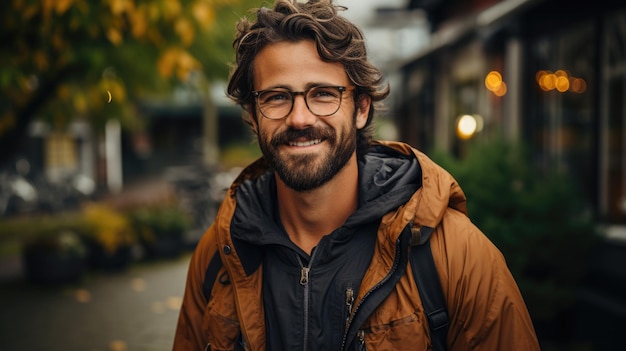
431 293
211 274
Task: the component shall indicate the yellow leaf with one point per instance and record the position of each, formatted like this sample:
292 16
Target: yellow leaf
185 31
119 7
178 61
203 13
80 103
139 22
114 36
186 64
172 8
62 5
153 11
47 6
167 61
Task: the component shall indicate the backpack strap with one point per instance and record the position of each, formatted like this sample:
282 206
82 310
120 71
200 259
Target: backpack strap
426 279
429 288
210 275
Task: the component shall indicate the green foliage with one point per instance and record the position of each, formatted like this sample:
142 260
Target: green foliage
239 154
537 220
153 221
61 241
89 59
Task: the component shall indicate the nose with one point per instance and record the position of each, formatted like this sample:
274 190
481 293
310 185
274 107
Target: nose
300 117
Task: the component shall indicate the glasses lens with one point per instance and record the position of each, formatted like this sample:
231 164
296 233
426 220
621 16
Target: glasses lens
274 104
324 101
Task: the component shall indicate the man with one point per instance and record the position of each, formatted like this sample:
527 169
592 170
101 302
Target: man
309 248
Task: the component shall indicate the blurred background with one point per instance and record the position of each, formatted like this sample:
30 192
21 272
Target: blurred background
117 143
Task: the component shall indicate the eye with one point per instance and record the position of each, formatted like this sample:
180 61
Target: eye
274 97
324 93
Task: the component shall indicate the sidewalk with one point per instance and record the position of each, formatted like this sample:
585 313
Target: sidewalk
127 311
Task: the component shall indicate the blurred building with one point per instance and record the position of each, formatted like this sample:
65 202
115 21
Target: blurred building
183 130
549 72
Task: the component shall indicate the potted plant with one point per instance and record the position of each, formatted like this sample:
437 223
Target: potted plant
160 229
109 237
54 255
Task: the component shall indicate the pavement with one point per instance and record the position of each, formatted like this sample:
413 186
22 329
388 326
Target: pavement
132 310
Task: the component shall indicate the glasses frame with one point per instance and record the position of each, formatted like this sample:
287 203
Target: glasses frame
342 89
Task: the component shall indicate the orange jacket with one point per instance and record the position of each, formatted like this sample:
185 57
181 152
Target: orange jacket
485 307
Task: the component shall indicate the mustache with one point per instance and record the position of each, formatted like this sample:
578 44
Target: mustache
291 134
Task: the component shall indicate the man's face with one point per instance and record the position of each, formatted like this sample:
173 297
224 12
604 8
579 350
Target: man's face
305 150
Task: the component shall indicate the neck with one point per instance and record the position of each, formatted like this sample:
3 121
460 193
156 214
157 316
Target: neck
308 216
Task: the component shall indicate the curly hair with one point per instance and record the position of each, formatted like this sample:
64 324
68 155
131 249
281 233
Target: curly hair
337 40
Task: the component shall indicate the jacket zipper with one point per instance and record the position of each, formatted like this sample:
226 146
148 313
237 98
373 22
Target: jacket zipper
378 285
349 305
361 336
304 281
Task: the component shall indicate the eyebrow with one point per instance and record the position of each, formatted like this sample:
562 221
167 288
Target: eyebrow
306 87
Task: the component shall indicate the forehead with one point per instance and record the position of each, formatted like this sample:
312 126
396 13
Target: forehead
295 65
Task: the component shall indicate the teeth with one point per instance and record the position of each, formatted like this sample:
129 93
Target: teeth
305 143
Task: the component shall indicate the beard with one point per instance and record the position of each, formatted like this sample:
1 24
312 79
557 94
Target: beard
305 172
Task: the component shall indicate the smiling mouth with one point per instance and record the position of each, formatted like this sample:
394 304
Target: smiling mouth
305 143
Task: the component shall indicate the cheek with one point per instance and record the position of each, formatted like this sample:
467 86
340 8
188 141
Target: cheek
266 129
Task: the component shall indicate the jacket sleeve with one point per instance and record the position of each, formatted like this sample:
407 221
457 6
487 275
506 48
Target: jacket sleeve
487 311
189 335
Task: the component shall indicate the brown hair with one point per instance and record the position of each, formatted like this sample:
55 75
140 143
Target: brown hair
336 38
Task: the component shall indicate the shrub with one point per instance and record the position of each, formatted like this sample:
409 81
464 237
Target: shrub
539 222
107 227
161 228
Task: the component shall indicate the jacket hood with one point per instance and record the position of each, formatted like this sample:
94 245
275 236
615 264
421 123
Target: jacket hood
387 179
391 175
439 190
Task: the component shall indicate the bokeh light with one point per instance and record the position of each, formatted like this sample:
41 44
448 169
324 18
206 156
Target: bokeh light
466 126
495 84
561 81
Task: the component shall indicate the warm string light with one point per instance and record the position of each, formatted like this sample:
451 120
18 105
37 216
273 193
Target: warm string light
560 81
495 84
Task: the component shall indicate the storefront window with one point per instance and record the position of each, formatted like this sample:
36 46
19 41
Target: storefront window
561 116
613 190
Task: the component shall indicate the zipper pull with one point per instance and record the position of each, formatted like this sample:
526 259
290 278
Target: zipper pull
361 337
304 275
349 304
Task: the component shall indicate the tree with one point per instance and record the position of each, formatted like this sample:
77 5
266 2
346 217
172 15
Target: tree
62 60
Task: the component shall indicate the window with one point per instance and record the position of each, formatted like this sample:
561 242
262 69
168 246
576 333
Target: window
613 161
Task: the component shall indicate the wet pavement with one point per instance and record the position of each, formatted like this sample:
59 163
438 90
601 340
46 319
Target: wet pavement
136 309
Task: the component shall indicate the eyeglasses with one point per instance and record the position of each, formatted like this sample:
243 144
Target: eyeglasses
322 101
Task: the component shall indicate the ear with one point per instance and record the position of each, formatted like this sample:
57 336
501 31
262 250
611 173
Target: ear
363 105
